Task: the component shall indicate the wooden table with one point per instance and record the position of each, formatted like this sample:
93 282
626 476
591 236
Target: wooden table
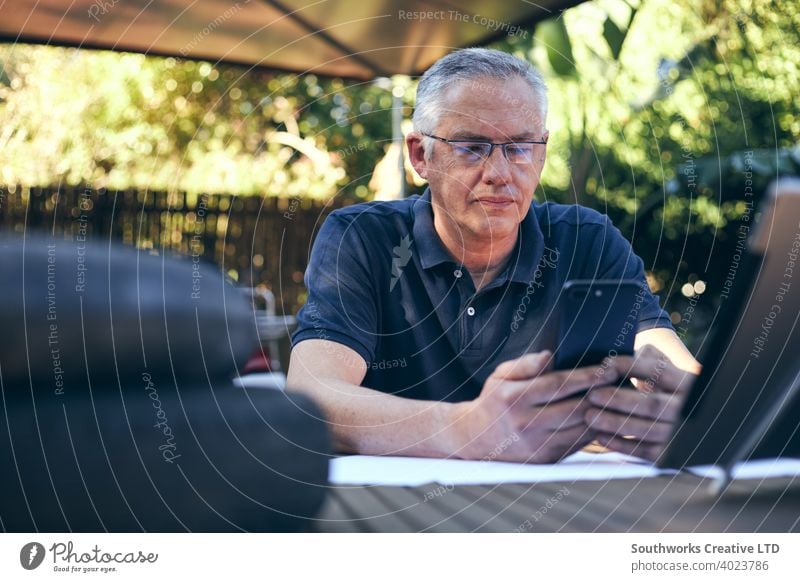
678 503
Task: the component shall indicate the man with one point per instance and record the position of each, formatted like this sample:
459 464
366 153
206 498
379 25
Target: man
429 324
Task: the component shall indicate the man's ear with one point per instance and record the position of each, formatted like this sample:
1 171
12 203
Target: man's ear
416 154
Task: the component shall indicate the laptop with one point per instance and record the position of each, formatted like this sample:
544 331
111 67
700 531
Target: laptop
746 402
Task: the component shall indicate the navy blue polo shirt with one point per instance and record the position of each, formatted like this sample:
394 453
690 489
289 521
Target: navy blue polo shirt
381 282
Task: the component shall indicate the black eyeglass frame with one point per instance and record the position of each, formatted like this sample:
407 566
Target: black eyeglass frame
491 145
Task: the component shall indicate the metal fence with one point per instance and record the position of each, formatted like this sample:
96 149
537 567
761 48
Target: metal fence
255 240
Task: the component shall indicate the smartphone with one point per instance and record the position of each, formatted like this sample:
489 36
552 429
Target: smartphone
597 318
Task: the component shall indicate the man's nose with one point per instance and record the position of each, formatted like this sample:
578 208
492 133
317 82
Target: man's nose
497 168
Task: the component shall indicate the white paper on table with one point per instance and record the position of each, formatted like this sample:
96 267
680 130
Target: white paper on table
414 471
272 380
755 469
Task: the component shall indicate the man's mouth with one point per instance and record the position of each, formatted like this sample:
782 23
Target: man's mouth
496 201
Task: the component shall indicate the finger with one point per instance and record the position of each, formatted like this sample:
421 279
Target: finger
523 368
657 406
614 423
655 370
649 451
553 417
554 446
555 386
587 437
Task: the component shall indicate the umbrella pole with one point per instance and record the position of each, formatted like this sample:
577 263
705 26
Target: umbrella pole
397 135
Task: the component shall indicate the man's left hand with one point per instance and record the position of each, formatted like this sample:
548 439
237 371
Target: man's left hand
639 422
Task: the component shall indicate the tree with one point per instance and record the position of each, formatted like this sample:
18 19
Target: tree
131 121
662 110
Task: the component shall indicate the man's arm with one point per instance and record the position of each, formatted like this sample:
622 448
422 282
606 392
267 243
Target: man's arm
668 343
363 420
523 413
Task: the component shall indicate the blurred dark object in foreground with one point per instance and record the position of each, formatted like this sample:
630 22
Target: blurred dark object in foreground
118 413
194 459
73 307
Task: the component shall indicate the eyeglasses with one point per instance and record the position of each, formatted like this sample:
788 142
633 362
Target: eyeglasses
471 152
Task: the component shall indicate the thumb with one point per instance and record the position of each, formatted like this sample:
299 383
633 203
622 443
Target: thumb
524 368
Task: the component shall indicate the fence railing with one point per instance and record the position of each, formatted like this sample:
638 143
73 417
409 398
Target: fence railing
255 240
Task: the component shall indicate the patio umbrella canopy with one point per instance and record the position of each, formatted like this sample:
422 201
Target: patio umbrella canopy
355 39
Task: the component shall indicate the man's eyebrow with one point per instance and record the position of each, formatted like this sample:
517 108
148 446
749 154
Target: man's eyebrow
468 136
525 137
465 135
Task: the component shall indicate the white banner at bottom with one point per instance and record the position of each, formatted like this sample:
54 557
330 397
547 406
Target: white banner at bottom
401 557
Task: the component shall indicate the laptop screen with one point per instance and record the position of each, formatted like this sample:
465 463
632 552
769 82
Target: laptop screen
746 401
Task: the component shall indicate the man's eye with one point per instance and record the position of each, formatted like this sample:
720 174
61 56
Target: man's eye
472 149
519 150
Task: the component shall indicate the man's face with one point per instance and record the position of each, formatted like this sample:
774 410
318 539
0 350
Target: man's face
484 200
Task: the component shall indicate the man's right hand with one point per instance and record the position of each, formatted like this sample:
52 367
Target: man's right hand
525 412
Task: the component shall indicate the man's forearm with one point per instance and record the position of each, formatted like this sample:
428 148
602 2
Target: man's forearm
369 422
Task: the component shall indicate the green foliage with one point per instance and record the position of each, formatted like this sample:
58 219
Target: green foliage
614 36
665 113
129 121
552 34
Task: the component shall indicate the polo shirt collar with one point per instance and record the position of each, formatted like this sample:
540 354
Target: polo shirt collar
529 250
432 252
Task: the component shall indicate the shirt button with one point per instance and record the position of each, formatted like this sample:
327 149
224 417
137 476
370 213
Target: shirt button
470 311
458 273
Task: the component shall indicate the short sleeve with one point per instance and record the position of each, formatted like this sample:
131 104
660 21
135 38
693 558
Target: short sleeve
619 261
342 300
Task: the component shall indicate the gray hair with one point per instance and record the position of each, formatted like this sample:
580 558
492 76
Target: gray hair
468 65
